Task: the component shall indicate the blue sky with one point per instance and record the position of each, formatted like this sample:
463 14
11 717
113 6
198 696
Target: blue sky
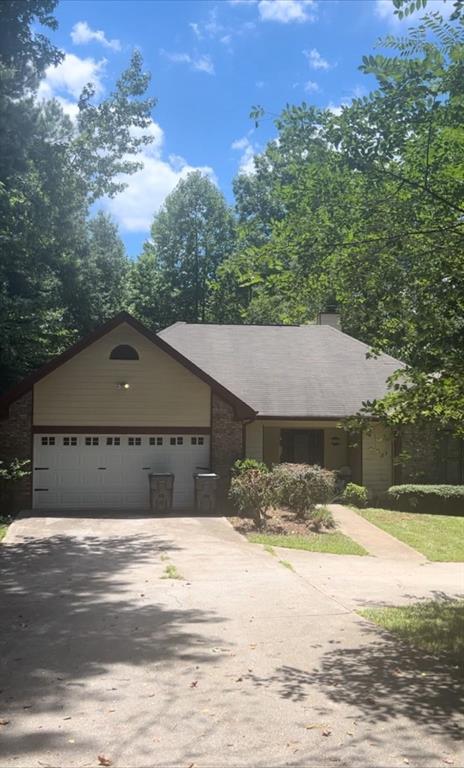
210 62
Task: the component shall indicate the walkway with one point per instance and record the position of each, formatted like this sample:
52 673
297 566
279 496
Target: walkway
377 542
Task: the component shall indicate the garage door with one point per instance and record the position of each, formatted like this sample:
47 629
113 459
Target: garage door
111 471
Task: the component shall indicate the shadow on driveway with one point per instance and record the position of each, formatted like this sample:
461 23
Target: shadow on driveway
383 679
74 609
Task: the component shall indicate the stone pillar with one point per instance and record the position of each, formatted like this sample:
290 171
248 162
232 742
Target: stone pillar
226 442
16 443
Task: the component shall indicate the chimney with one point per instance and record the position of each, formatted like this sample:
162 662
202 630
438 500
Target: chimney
330 317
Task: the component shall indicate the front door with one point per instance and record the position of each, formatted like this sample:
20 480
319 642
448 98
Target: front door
303 446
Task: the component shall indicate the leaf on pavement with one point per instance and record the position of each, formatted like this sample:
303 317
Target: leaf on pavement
104 760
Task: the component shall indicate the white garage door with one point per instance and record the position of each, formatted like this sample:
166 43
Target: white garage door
111 471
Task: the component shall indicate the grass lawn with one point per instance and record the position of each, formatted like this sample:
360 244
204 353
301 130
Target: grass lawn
435 625
3 526
333 543
438 537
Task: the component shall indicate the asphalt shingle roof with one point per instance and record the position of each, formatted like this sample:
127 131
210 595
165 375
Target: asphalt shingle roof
309 370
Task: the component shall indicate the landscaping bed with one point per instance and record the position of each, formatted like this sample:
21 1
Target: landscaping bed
438 537
282 529
436 626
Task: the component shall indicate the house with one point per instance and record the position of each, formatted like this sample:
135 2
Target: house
124 402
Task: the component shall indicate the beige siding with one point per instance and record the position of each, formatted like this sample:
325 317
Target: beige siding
271 445
377 460
254 441
84 390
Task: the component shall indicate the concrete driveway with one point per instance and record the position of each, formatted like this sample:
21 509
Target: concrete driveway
242 663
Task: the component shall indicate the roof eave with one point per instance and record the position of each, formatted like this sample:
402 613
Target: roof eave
241 409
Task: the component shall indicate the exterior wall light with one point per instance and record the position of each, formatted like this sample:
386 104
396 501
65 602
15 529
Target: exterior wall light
123 385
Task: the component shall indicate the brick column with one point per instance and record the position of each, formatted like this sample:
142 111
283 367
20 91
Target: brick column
16 443
226 441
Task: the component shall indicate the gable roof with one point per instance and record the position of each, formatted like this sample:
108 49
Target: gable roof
311 371
241 408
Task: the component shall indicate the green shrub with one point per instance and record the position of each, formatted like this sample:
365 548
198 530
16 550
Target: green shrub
9 475
299 487
356 495
244 465
429 499
249 493
322 518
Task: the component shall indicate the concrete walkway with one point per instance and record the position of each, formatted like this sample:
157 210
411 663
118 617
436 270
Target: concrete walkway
243 663
377 542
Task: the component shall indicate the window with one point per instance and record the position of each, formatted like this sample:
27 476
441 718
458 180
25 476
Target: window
156 441
197 440
172 440
48 440
124 352
134 441
113 441
180 441
69 440
92 440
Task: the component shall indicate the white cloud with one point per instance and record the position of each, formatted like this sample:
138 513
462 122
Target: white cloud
315 60
197 62
246 163
70 76
147 189
81 34
385 10
311 87
286 11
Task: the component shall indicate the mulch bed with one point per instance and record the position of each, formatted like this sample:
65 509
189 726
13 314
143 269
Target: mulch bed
278 521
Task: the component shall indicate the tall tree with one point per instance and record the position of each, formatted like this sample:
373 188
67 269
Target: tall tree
190 237
100 287
146 296
51 170
371 206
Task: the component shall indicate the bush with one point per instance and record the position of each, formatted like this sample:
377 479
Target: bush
322 518
299 487
429 499
356 495
249 493
244 465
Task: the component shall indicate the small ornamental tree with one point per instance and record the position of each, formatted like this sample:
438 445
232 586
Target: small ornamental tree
300 487
249 493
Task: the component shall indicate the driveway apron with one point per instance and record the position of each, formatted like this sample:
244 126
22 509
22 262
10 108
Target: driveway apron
240 662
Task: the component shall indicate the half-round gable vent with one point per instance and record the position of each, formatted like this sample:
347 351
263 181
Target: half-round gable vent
124 352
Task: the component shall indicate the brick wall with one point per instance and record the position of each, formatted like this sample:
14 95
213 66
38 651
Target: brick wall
226 441
16 443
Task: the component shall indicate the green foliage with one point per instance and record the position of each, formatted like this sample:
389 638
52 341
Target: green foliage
335 543
322 517
10 473
365 208
438 537
101 283
190 237
249 493
145 290
300 487
356 495
13 471
434 499
245 465
435 626
59 274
